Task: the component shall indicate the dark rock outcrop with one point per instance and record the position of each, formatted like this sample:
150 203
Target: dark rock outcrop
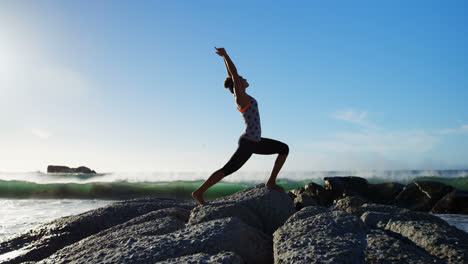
455 202
319 194
422 196
303 200
65 169
383 193
340 187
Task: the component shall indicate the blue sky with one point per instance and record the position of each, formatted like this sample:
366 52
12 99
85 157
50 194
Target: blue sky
136 86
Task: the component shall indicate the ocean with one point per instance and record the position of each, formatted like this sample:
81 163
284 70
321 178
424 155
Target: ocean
31 198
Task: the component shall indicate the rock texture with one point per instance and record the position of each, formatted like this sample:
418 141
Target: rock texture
203 258
383 248
423 230
43 241
271 207
317 235
212 237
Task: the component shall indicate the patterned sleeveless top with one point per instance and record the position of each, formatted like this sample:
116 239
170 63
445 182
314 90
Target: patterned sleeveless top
251 116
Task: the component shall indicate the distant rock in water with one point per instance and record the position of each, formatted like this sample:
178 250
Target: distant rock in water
65 169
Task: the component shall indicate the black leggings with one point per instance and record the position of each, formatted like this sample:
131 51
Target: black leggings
247 147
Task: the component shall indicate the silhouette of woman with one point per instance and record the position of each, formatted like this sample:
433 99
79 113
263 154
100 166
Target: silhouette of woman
250 141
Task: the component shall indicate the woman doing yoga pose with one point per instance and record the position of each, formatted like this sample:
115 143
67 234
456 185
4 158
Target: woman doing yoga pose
250 141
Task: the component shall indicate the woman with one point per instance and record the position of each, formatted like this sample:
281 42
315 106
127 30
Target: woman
250 141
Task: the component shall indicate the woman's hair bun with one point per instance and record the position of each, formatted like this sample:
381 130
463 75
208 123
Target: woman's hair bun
228 83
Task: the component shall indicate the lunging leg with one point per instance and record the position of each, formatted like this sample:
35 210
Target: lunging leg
212 180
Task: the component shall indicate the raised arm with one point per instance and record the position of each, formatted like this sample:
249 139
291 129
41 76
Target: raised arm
232 71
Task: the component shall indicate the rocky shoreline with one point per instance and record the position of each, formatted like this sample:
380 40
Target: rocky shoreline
257 225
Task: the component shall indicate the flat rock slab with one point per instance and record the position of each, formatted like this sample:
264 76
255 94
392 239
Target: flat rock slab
203 258
48 238
317 235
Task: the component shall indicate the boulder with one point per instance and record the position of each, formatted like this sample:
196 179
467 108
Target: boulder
424 230
383 193
319 194
83 169
203 258
454 202
116 243
383 248
317 235
440 240
65 169
303 200
350 204
271 207
47 238
340 187
422 195
214 211
211 238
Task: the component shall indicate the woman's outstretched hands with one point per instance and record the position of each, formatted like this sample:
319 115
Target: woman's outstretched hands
221 51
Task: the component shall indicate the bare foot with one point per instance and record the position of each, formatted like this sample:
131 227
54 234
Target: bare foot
274 186
198 197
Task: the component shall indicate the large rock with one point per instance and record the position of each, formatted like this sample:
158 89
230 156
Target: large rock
384 193
215 211
203 258
271 207
340 187
303 200
422 195
317 235
65 169
46 239
319 194
455 202
426 231
383 248
212 238
116 243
